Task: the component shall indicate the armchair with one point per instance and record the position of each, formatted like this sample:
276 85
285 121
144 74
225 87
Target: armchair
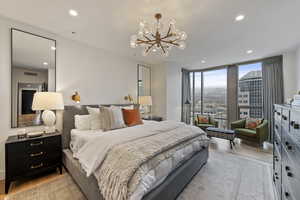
204 126
259 135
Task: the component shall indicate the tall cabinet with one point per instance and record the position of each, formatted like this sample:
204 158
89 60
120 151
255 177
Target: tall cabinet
286 152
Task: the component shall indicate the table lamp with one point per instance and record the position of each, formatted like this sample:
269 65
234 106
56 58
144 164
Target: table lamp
145 102
48 101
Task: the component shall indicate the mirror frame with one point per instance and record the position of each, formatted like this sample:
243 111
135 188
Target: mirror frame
11 70
138 74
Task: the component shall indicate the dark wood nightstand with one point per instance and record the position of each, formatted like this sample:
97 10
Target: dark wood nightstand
154 118
27 157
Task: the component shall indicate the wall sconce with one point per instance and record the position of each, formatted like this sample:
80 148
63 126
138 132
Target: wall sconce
76 97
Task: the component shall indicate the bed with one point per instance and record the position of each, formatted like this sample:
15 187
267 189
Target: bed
168 188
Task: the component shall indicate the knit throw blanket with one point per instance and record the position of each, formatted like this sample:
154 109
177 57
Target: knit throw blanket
115 175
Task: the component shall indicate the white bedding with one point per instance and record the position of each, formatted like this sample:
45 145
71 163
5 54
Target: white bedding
80 137
90 150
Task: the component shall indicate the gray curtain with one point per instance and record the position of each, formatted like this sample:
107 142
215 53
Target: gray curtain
273 88
232 92
186 97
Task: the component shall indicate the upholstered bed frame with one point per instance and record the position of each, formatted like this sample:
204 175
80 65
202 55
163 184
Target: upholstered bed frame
169 189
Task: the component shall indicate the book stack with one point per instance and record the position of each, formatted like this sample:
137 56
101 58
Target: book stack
296 101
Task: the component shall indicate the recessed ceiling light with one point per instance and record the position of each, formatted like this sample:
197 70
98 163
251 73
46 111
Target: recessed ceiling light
53 48
203 61
45 63
249 51
73 13
239 17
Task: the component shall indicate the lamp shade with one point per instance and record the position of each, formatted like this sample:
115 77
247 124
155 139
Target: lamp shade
145 100
47 101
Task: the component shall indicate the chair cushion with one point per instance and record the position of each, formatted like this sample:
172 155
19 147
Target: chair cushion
202 119
252 123
245 132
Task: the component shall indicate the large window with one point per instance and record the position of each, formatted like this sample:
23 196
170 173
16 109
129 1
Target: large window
250 88
209 94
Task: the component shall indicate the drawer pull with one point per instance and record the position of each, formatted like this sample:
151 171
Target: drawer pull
278 113
36 143
37 166
287 194
289 147
289 174
277 177
292 123
276 127
287 168
276 173
275 141
296 126
284 117
36 154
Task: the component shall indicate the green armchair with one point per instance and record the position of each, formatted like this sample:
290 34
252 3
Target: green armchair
204 126
259 135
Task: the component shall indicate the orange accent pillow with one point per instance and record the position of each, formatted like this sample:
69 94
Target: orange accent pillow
203 119
253 123
132 117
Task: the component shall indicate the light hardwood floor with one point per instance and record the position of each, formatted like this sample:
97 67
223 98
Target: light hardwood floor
261 154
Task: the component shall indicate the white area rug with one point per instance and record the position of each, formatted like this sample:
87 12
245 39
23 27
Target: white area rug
224 177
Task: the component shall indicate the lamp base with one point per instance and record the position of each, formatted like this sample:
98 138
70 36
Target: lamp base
49 119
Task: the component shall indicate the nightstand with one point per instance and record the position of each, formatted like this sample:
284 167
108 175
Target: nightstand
154 118
27 157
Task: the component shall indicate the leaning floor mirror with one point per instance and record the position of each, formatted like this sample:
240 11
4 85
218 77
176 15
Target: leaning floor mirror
144 90
33 69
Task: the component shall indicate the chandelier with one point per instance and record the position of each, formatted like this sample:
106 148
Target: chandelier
157 39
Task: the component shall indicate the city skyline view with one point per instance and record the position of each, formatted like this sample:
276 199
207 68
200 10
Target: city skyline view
215 92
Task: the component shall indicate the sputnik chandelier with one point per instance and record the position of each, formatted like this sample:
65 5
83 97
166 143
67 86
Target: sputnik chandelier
156 39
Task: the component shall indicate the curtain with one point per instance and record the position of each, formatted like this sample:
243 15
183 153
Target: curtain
186 97
232 92
272 74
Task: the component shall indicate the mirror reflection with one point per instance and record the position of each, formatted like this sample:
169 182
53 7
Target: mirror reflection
33 70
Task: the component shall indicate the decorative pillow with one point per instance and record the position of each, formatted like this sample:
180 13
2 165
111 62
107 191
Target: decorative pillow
95 118
111 118
132 117
252 123
83 122
202 119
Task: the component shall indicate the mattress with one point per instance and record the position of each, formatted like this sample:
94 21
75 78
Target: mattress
152 177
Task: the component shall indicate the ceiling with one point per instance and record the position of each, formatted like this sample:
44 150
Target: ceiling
31 51
270 26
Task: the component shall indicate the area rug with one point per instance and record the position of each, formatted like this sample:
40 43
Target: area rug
224 177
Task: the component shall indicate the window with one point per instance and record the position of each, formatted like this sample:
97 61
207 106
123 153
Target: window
210 94
250 91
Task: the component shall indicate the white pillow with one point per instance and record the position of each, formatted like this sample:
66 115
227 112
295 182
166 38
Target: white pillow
131 107
83 122
95 118
118 121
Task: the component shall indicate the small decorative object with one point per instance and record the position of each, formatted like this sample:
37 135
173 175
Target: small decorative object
146 103
35 134
128 98
21 133
156 39
48 101
76 97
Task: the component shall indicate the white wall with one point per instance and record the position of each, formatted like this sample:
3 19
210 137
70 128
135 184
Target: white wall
158 90
173 71
297 72
289 74
100 77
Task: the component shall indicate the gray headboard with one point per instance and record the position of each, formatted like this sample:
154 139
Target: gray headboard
68 119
